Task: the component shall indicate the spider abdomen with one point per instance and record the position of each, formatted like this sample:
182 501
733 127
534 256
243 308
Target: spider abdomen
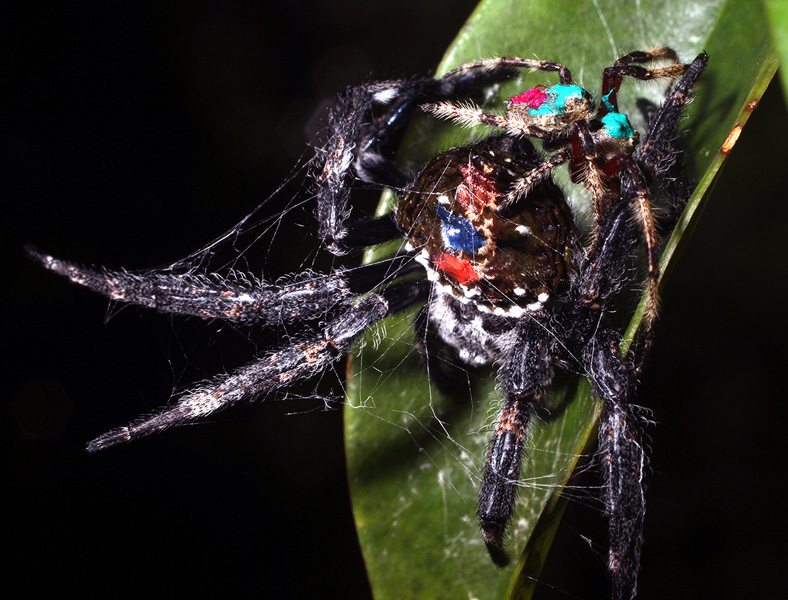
505 254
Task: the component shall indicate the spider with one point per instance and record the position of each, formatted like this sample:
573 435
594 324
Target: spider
492 252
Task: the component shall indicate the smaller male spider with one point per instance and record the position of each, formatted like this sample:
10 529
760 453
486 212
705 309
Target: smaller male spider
598 142
489 247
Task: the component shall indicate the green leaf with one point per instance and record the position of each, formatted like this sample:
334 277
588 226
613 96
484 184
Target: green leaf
778 20
415 454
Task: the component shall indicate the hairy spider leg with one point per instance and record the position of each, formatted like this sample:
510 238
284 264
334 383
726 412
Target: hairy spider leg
613 76
527 372
275 369
469 114
658 155
238 298
623 462
653 158
622 458
564 75
365 127
525 185
657 152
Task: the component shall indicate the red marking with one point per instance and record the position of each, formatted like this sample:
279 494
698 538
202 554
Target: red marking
476 192
533 98
460 269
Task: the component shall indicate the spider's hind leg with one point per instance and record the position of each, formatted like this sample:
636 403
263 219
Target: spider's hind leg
300 359
623 462
526 374
238 298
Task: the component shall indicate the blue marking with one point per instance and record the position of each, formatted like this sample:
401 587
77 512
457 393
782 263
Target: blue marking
556 99
458 232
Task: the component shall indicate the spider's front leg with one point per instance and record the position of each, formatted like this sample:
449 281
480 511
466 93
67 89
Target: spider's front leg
364 129
613 76
525 375
657 154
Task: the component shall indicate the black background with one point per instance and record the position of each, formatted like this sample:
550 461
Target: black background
136 132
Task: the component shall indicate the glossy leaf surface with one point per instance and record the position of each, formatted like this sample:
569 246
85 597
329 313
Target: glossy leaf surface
415 453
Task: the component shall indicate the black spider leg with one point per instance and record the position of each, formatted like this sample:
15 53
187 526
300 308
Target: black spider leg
623 461
650 163
613 378
363 131
657 154
273 370
671 177
240 298
564 75
525 374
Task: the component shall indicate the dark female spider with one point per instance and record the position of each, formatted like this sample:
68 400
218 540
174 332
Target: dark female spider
490 248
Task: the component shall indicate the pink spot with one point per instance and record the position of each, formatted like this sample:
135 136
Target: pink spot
533 98
461 270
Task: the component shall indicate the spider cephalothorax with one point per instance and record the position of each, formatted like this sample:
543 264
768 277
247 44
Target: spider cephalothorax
489 248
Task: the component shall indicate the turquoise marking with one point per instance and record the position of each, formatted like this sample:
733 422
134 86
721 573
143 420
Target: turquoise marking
555 104
617 126
608 106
